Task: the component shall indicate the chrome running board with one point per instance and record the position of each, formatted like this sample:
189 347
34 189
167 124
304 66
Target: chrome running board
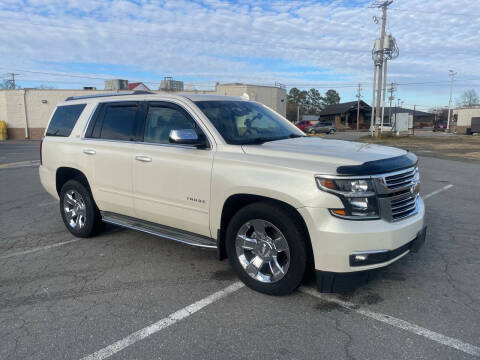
159 230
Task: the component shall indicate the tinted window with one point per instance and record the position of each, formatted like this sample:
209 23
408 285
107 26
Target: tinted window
119 123
244 122
64 120
161 120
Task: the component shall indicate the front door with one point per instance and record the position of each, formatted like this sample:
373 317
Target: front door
171 183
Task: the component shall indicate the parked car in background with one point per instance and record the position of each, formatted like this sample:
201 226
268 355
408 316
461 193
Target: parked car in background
302 124
440 126
326 127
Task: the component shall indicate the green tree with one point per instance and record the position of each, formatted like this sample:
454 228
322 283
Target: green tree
296 98
331 97
314 102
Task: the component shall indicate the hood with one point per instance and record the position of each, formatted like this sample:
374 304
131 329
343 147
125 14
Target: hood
313 151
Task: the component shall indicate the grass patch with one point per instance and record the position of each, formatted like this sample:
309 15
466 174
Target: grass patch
460 147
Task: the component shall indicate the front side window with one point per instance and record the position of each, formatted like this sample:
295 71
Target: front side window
64 120
119 123
244 122
161 120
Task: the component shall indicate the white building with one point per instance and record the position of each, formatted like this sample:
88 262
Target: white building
464 117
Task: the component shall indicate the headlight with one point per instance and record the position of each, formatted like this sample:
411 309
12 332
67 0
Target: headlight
358 197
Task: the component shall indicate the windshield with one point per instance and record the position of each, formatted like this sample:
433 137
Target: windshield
244 122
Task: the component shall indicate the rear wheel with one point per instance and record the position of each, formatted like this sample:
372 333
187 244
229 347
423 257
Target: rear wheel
266 248
79 212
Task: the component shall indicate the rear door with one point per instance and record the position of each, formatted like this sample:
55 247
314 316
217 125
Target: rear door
171 182
108 143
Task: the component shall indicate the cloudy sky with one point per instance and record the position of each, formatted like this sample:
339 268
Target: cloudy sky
322 44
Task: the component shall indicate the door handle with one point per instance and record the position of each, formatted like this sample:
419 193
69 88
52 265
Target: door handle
143 158
89 151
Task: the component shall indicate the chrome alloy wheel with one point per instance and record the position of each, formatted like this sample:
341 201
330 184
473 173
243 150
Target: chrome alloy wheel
75 209
262 250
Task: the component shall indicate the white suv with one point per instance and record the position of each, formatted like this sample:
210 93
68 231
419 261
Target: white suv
230 174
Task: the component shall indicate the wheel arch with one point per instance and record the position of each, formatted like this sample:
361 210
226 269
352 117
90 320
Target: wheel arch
237 201
64 174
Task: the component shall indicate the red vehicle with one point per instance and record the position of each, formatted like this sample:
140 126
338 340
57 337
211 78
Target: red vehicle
440 126
302 124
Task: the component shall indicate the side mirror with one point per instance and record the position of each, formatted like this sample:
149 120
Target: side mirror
187 137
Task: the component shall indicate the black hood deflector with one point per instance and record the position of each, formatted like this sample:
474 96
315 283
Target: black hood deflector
380 166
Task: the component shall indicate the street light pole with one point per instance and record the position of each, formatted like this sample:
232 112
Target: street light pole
452 74
359 95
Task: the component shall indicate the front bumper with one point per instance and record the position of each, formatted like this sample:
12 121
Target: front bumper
331 282
334 240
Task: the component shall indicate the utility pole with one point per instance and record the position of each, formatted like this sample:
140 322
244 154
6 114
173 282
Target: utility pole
396 109
372 118
11 81
384 92
452 74
391 98
384 6
298 112
413 120
359 95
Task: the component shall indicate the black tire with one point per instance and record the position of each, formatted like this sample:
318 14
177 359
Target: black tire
331 131
92 219
294 235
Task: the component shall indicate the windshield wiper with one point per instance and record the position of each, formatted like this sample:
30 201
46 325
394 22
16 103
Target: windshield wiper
262 139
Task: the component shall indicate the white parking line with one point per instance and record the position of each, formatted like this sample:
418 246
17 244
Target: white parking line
446 187
20 164
163 323
401 324
41 248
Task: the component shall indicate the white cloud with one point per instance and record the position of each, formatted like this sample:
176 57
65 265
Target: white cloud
215 39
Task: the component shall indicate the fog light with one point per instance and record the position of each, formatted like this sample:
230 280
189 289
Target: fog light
361 257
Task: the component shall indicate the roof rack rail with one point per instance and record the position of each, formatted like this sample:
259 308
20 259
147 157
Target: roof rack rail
124 93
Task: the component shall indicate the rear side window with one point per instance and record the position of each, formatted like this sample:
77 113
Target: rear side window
119 123
64 120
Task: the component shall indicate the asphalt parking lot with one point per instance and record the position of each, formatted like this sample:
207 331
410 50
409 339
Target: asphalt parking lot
135 296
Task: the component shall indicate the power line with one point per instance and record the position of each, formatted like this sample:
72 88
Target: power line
312 84
413 11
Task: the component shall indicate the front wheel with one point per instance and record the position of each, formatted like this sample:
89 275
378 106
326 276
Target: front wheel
266 248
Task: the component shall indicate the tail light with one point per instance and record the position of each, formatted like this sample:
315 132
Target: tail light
41 143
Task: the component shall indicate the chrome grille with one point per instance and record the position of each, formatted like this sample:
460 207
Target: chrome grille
400 179
398 194
404 205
